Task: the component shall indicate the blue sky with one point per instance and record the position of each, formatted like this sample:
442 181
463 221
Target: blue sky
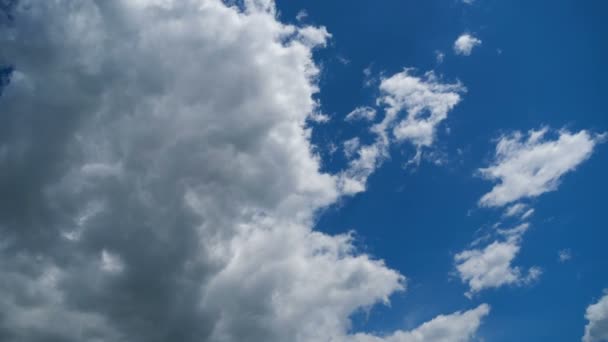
540 64
303 170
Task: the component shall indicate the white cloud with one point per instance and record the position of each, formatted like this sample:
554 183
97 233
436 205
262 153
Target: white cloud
425 100
515 209
286 283
519 209
597 315
319 117
351 146
491 266
361 113
527 214
415 106
457 327
465 43
354 179
564 255
314 36
528 165
184 123
302 14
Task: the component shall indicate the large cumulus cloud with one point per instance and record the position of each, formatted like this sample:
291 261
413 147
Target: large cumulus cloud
596 329
158 182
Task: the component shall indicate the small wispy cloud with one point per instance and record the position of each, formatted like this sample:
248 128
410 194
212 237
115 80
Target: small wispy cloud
564 255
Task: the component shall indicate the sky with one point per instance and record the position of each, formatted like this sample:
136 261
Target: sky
290 170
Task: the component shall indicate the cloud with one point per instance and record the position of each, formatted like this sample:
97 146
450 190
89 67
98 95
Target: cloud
111 262
414 107
425 100
319 118
361 113
527 214
564 255
439 56
597 315
515 209
457 327
159 182
314 36
491 266
302 14
353 180
519 209
465 43
351 146
528 165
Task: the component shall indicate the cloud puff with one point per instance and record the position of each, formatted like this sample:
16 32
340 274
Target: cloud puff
597 315
414 107
353 180
314 36
158 181
528 165
457 327
491 267
465 43
425 100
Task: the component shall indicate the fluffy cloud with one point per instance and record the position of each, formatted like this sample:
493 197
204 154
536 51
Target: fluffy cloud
158 181
313 36
425 100
414 107
465 43
491 267
597 315
354 179
528 165
457 327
